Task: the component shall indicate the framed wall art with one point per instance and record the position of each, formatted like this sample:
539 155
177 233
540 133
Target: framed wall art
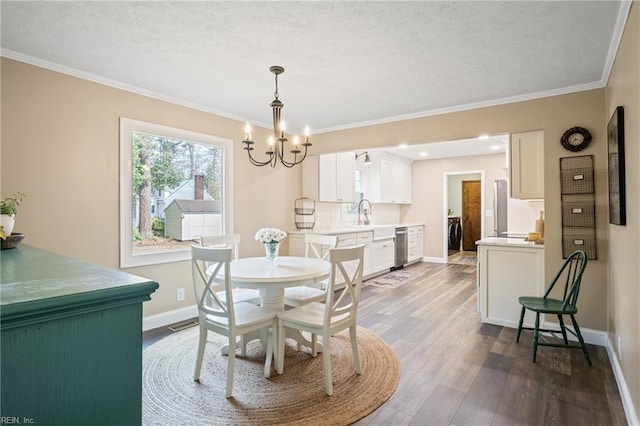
615 150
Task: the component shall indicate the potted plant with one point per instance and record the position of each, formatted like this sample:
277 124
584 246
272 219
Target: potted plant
8 210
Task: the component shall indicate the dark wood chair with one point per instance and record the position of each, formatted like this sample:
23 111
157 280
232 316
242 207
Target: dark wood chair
570 275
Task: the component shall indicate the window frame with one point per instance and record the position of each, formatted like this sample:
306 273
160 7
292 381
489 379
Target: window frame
127 127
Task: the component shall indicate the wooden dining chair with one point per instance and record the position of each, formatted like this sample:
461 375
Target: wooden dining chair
317 246
337 313
570 277
223 316
232 241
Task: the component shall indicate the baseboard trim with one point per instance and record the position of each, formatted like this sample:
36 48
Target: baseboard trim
434 259
627 401
590 336
167 318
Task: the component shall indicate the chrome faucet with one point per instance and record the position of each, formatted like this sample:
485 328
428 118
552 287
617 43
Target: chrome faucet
366 212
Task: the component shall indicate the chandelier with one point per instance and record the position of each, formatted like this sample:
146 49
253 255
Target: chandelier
277 142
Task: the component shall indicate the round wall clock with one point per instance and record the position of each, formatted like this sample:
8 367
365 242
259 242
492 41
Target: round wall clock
576 139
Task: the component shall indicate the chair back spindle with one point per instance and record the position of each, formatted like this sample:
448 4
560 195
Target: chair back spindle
570 274
347 264
207 265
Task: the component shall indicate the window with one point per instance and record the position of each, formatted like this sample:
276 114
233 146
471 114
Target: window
175 186
349 210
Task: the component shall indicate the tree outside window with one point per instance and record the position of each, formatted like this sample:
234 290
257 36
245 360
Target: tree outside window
177 191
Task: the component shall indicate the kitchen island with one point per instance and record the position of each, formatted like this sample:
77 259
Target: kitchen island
507 269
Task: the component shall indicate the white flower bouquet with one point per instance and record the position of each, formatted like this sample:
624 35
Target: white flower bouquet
270 235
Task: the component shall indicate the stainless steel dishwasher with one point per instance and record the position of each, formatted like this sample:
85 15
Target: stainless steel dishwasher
401 247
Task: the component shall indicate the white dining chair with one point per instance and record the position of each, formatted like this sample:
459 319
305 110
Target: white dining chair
224 316
317 246
326 319
232 241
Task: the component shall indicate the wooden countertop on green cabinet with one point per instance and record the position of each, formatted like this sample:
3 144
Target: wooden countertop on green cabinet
71 340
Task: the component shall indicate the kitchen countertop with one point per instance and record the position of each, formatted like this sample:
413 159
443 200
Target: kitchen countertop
345 229
380 232
509 242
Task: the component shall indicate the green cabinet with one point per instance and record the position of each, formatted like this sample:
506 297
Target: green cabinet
71 340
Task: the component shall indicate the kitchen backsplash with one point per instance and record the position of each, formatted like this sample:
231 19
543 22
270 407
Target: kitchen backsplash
335 215
522 215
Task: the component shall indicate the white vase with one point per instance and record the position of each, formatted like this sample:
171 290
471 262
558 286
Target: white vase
7 223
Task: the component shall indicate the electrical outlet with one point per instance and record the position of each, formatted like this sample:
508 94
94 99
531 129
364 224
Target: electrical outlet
619 350
180 294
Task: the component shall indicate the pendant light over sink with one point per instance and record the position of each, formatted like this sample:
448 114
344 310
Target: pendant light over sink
367 159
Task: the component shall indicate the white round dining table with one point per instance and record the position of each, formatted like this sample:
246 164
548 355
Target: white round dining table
270 281
289 271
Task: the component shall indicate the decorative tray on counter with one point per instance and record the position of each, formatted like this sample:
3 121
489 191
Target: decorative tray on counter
12 241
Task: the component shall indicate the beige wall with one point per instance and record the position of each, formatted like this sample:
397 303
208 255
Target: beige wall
72 181
554 115
428 198
60 145
623 277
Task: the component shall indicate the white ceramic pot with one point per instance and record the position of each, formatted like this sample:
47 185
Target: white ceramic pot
7 223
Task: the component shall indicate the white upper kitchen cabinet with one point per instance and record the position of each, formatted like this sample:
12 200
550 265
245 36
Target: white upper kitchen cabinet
330 177
526 165
388 179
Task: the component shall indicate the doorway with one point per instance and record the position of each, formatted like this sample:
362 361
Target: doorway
463 207
471 214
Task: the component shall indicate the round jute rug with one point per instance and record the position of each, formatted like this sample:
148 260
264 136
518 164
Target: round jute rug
171 397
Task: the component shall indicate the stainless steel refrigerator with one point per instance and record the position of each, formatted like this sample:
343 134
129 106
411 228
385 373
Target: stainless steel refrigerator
500 200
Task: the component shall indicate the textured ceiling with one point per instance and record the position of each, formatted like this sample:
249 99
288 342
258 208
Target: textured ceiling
347 63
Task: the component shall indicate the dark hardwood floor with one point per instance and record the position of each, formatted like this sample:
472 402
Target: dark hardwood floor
456 370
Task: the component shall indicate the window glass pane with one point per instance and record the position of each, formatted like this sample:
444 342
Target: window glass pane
350 209
187 178
175 189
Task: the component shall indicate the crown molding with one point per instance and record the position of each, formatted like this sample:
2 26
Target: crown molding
616 38
467 107
52 66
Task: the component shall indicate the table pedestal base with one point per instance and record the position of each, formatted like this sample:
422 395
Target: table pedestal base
272 299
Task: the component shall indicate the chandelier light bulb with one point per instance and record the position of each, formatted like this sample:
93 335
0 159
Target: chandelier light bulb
307 131
296 140
247 131
271 140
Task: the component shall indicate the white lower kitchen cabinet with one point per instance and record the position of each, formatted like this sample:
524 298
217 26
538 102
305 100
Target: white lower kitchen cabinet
351 239
383 255
379 247
507 269
415 243
366 238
